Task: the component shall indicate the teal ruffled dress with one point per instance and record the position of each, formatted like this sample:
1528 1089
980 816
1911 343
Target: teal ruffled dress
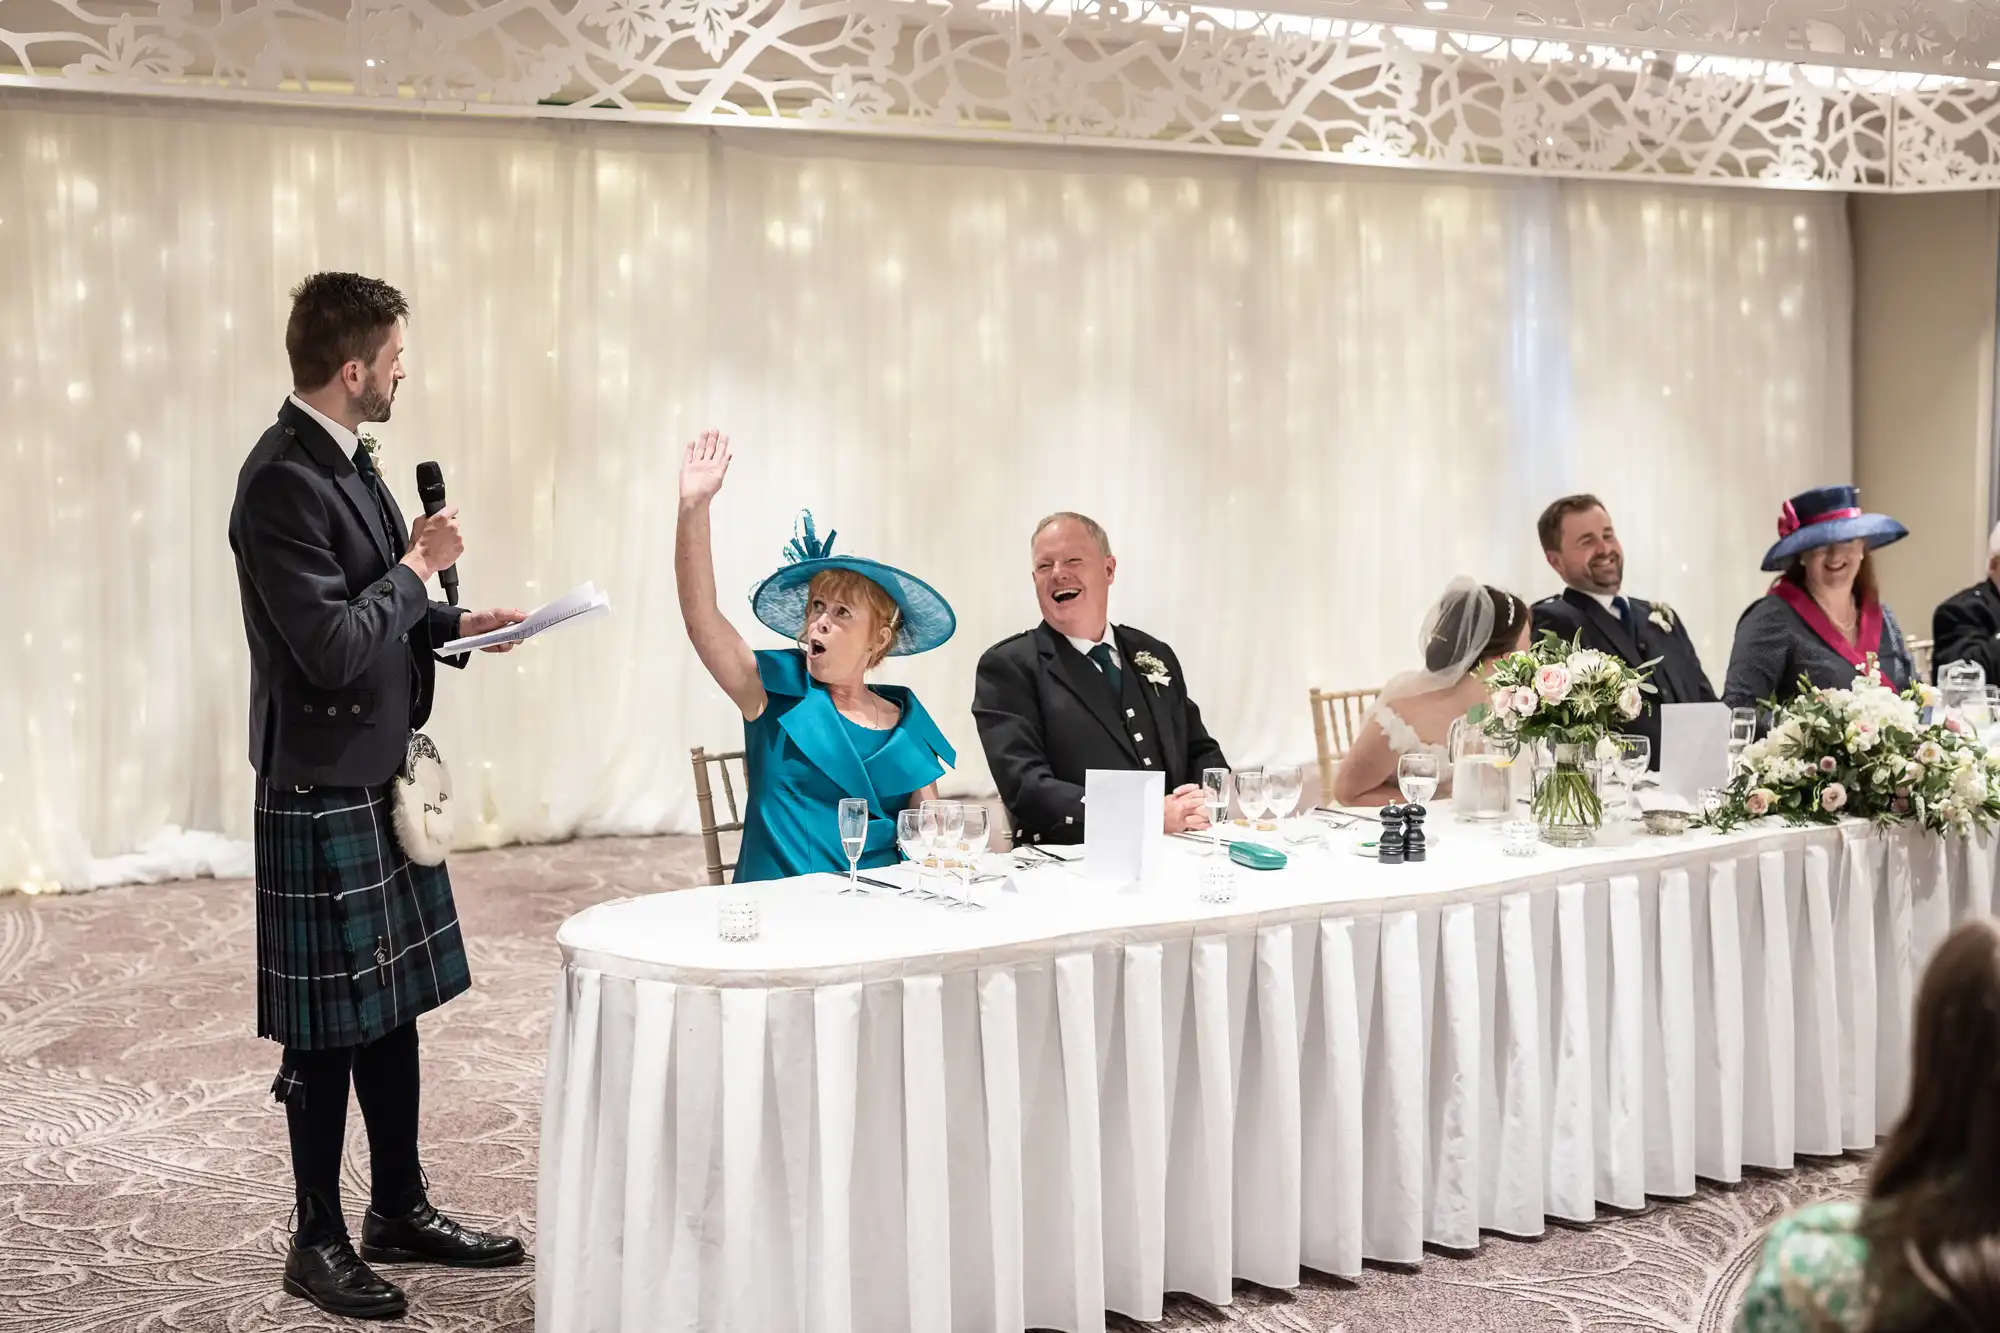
802 758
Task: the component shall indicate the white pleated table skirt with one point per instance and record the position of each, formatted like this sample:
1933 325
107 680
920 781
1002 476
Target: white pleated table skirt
1028 1143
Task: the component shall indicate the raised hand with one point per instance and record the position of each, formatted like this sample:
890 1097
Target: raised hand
704 467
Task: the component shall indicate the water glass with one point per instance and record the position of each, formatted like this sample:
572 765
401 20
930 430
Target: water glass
977 820
1282 786
737 918
1417 777
853 839
1742 730
951 832
1215 794
930 823
1218 882
1250 793
1635 759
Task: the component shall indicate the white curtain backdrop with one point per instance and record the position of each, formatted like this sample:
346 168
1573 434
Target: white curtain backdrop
1301 400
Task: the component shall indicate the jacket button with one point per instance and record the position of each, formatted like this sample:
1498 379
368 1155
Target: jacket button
309 708
1138 735
404 637
1147 762
385 587
331 710
354 708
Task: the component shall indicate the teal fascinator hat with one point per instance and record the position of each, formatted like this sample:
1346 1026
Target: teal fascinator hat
780 600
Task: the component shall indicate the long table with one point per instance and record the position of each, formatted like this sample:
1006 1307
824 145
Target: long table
883 1115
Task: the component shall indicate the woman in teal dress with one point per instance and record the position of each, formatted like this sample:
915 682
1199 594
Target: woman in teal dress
814 731
1921 1254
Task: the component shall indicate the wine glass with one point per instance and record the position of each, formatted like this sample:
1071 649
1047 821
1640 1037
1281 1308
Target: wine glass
978 822
1635 757
1215 794
1250 792
1282 786
853 837
910 837
1417 776
1742 730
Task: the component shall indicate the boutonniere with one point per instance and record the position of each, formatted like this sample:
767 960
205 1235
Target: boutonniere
1153 669
1663 616
373 450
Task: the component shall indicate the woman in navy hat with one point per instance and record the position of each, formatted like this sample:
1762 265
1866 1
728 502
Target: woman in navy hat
814 731
1822 619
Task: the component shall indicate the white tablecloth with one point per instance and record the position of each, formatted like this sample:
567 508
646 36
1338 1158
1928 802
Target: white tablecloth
886 1116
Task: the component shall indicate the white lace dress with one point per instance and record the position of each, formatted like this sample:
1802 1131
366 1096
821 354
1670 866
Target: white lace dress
1403 739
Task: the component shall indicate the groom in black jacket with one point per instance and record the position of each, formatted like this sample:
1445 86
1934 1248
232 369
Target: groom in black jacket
1077 693
1582 547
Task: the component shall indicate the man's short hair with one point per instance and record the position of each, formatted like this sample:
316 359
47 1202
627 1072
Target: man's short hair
1088 524
1549 527
337 318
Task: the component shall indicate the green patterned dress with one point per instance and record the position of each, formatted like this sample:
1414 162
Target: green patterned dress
1813 1275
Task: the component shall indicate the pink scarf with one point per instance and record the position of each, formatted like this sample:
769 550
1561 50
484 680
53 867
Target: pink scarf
1870 625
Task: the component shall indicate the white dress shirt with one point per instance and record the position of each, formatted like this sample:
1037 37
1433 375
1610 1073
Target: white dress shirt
1085 645
342 436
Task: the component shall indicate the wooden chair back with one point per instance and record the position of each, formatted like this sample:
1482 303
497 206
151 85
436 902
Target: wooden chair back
712 828
1337 716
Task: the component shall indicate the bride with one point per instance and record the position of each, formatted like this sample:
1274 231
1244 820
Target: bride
1470 626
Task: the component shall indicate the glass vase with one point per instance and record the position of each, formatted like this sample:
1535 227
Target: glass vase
1567 806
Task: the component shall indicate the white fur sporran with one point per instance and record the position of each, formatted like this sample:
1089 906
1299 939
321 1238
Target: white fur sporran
422 799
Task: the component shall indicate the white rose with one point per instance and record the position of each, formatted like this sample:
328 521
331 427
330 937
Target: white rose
1629 702
1552 682
1526 701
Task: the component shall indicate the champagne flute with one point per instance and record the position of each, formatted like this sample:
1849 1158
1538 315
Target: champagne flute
977 824
853 837
1215 795
1417 777
951 831
930 820
910 837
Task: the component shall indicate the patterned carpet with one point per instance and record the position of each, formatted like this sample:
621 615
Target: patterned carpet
144 1188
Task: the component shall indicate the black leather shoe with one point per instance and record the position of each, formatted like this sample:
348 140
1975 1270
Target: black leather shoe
330 1275
427 1236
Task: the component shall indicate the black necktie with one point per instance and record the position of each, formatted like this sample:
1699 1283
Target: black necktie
1624 613
1101 654
364 463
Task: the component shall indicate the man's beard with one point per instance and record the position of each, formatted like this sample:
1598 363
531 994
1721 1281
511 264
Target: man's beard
373 403
1605 577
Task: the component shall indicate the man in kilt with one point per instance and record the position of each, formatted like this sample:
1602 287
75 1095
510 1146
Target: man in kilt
354 940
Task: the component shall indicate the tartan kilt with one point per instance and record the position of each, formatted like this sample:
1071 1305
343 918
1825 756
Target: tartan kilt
353 939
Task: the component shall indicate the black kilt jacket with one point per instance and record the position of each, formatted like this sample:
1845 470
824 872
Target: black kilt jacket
352 939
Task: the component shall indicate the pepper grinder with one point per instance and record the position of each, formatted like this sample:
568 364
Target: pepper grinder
1389 851
1413 838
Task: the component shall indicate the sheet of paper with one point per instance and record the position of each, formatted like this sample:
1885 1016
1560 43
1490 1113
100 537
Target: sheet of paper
1122 834
1694 748
580 601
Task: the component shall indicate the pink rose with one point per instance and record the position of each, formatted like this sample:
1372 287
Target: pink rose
1552 682
1757 803
1503 702
1828 763
1525 701
1957 724
1629 702
1833 798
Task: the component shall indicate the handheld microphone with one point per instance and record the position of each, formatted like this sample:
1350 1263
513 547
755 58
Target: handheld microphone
430 489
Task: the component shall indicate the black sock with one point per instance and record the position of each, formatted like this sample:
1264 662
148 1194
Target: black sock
313 1087
387 1085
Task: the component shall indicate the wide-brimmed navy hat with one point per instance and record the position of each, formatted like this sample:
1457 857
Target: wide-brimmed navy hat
780 600
1823 516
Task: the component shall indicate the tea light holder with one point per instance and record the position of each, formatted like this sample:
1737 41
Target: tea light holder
738 920
1218 882
1520 837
